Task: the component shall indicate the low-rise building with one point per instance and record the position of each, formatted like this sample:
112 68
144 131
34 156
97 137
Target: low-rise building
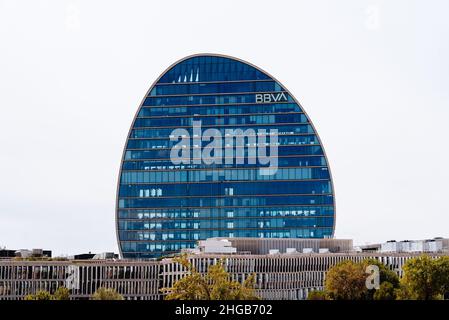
428 245
289 273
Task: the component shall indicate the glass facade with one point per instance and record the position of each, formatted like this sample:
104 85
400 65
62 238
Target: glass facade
164 206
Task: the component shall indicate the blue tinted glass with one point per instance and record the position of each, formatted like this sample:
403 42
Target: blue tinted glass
163 207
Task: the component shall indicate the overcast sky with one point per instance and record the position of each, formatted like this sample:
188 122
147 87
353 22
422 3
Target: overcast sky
372 75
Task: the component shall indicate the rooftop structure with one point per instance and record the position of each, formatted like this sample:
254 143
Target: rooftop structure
426 245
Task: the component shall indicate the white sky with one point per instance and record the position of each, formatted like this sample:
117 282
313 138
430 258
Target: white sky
372 75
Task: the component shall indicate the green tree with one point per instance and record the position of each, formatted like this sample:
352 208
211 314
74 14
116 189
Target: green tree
106 294
442 264
317 295
425 278
216 284
385 276
346 281
403 293
385 273
40 295
386 291
62 293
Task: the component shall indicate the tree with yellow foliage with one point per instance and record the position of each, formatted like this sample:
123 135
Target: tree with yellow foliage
216 284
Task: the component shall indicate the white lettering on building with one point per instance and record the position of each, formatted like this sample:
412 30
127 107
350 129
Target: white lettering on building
270 97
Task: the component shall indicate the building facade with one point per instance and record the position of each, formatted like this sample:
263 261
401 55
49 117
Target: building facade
438 244
278 276
134 280
219 148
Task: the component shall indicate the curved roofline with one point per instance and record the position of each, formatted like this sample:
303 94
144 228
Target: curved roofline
239 60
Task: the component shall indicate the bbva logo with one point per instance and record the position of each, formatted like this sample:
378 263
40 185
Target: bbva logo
270 97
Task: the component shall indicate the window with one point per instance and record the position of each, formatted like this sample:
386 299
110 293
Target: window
146 193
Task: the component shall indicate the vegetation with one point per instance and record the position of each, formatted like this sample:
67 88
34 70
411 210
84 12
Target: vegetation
317 295
386 292
346 281
388 280
216 284
106 294
62 293
424 278
40 295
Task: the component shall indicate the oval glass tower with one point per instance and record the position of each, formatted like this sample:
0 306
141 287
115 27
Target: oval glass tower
219 148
